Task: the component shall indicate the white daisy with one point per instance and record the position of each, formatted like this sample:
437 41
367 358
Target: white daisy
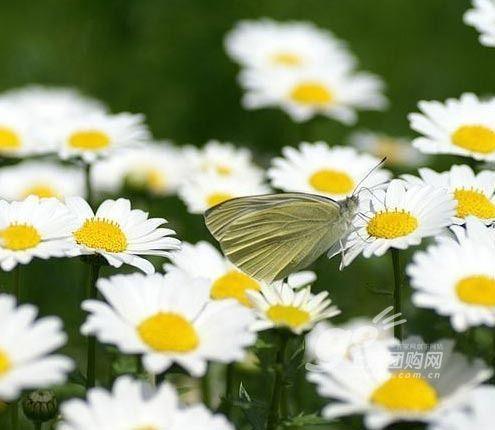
330 91
119 233
267 44
156 168
482 17
462 127
98 135
225 281
40 178
279 305
25 345
398 218
223 159
198 417
474 193
169 319
32 228
17 136
206 190
478 413
398 151
316 168
456 278
385 393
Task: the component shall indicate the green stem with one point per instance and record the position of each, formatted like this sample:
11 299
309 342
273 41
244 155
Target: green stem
89 187
16 282
94 270
397 291
37 425
14 415
278 408
206 388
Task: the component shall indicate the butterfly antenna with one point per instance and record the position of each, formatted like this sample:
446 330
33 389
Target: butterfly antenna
369 173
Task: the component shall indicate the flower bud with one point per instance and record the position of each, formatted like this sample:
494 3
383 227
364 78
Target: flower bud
40 405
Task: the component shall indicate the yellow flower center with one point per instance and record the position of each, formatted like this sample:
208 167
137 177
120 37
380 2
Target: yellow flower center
217 198
331 181
89 140
40 190
405 391
168 332
290 316
477 290
389 225
101 233
18 237
472 202
223 170
286 59
476 138
5 364
147 178
233 285
9 139
146 428
311 93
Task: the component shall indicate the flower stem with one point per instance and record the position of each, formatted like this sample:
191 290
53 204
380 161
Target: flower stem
14 415
397 291
16 288
278 407
89 187
94 270
37 425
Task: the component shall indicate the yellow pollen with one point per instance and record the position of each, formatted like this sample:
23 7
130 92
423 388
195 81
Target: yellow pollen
477 290
475 138
8 139
168 332
331 181
40 190
19 237
287 59
5 364
389 225
223 170
217 198
103 234
233 285
407 392
289 316
311 93
473 202
89 140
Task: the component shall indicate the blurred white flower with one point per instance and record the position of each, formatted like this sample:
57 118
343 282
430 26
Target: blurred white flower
25 348
40 178
482 18
456 277
157 168
317 168
463 126
169 319
119 233
33 228
474 193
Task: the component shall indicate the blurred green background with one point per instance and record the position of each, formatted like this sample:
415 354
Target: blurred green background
166 59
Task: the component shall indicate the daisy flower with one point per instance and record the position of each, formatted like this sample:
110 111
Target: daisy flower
225 281
279 305
316 168
25 345
198 417
169 319
474 193
206 190
98 135
269 45
461 127
119 234
398 218
32 228
398 151
386 392
456 278
478 414
330 91
40 178
482 18
223 159
156 168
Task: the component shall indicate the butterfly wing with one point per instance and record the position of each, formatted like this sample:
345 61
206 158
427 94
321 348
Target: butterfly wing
271 236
